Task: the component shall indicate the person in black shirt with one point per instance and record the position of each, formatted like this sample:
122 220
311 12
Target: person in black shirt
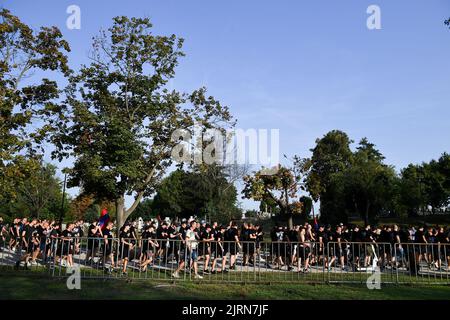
65 249
244 238
217 249
149 245
322 237
368 238
206 238
162 234
430 237
2 233
252 238
41 234
30 242
420 248
77 233
108 247
232 244
356 247
443 240
332 247
14 234
340 247
94 234
55 234
181 254
125 238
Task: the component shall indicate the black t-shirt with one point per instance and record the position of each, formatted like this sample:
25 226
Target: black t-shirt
347 235
91 233
323 235
393 236
366 235
205 235
356 236
28 231
293 235
251 235
218 236
330 236
55 233
273 235
232 233
384 236
162 233
419 237
431 238
76 231
67 234
108 234
126 236
41 233
404 236
441 237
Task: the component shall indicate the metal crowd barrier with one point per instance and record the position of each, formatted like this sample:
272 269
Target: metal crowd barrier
248 261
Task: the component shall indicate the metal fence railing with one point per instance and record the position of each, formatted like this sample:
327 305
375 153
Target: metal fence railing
164 259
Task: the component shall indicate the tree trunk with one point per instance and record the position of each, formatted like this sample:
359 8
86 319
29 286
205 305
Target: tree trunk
290 222
366 214
120 212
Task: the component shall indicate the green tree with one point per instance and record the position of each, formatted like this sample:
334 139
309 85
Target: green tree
368 182
436 182
411 189
143 210
39 195
202 191
330 156
282 188
23 54
118 118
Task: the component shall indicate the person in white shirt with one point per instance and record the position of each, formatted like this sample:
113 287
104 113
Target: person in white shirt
192 246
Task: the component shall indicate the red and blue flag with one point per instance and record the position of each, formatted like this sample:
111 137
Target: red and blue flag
104 219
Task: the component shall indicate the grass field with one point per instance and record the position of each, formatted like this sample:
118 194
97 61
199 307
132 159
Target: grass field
13 286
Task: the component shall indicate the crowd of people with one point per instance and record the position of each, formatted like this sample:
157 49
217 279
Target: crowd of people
342 247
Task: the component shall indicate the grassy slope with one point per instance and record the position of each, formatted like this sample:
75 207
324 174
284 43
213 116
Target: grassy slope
36 287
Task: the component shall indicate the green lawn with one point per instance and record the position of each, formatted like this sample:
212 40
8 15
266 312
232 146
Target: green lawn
14 286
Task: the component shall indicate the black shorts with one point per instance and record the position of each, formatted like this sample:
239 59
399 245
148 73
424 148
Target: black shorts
303 252
124 251
231 247
93 244
204 249
64 250
251 248
107 249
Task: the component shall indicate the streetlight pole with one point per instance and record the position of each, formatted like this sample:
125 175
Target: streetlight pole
62 201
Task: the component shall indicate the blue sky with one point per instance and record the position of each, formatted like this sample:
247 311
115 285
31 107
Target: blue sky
305 67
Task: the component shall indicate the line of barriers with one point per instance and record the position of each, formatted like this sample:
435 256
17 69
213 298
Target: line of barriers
343 262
